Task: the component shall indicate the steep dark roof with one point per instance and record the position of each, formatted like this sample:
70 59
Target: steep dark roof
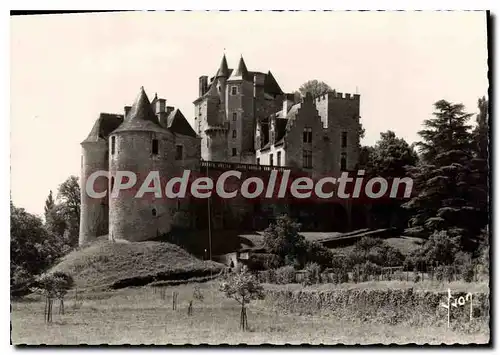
177 123
103 126
241 73
271 85
141 116
223 68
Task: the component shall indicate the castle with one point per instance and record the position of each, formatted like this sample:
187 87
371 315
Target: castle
241 117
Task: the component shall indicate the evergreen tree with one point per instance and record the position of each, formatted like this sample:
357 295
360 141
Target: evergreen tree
445 200
49 204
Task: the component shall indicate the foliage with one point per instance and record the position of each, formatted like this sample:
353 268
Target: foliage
283 239
446 179
264 261
390 157
285 275
244 288
374 250
441 247
312 274
314 87
32 248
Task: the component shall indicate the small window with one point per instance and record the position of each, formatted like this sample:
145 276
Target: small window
307 159
344 139
258 161
234 133
307 135
234 152
343 162
154 147
112 183
271 160
154 212
278 159
235 116
178 152
113 142
234 90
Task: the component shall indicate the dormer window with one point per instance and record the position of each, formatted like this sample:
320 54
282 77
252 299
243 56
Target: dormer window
234 90
154 146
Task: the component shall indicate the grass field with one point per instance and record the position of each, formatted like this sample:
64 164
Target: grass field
108 264
140 316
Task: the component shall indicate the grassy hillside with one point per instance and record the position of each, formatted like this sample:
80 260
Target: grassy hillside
116 265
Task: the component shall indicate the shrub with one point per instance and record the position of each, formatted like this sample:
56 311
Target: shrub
312 274
467 272
264 261
268 276
340 275
368 269
285 275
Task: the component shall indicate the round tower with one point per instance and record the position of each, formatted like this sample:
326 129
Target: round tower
217 143
94 208
143 147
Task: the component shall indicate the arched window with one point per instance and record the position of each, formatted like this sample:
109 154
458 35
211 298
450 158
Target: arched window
154 212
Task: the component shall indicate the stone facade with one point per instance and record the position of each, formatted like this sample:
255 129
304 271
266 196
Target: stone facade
244 116
148 137
241 117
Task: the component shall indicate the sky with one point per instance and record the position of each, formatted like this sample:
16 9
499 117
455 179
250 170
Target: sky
66 69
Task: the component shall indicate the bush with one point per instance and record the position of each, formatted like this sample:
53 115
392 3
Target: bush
285 275
264 262
467 272
340 275
312 274
367 270
268 276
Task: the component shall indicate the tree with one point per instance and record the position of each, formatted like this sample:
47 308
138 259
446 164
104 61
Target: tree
390 157
283 239
314 87
32 248
69 207
444 199
49 204
244 288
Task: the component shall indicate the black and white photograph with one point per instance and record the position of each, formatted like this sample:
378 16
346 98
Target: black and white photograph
250 177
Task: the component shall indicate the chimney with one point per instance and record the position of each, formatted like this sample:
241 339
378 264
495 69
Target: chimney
126 109
160 106
203 85
169 110
288 103
258 84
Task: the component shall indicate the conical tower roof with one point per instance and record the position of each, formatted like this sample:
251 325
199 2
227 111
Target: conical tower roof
223 69
241 73
141 116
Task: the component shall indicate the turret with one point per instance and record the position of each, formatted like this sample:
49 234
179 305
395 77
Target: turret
221 78
94 209
140 145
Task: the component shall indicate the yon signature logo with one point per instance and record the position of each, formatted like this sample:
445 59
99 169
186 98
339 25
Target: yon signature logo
457 302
